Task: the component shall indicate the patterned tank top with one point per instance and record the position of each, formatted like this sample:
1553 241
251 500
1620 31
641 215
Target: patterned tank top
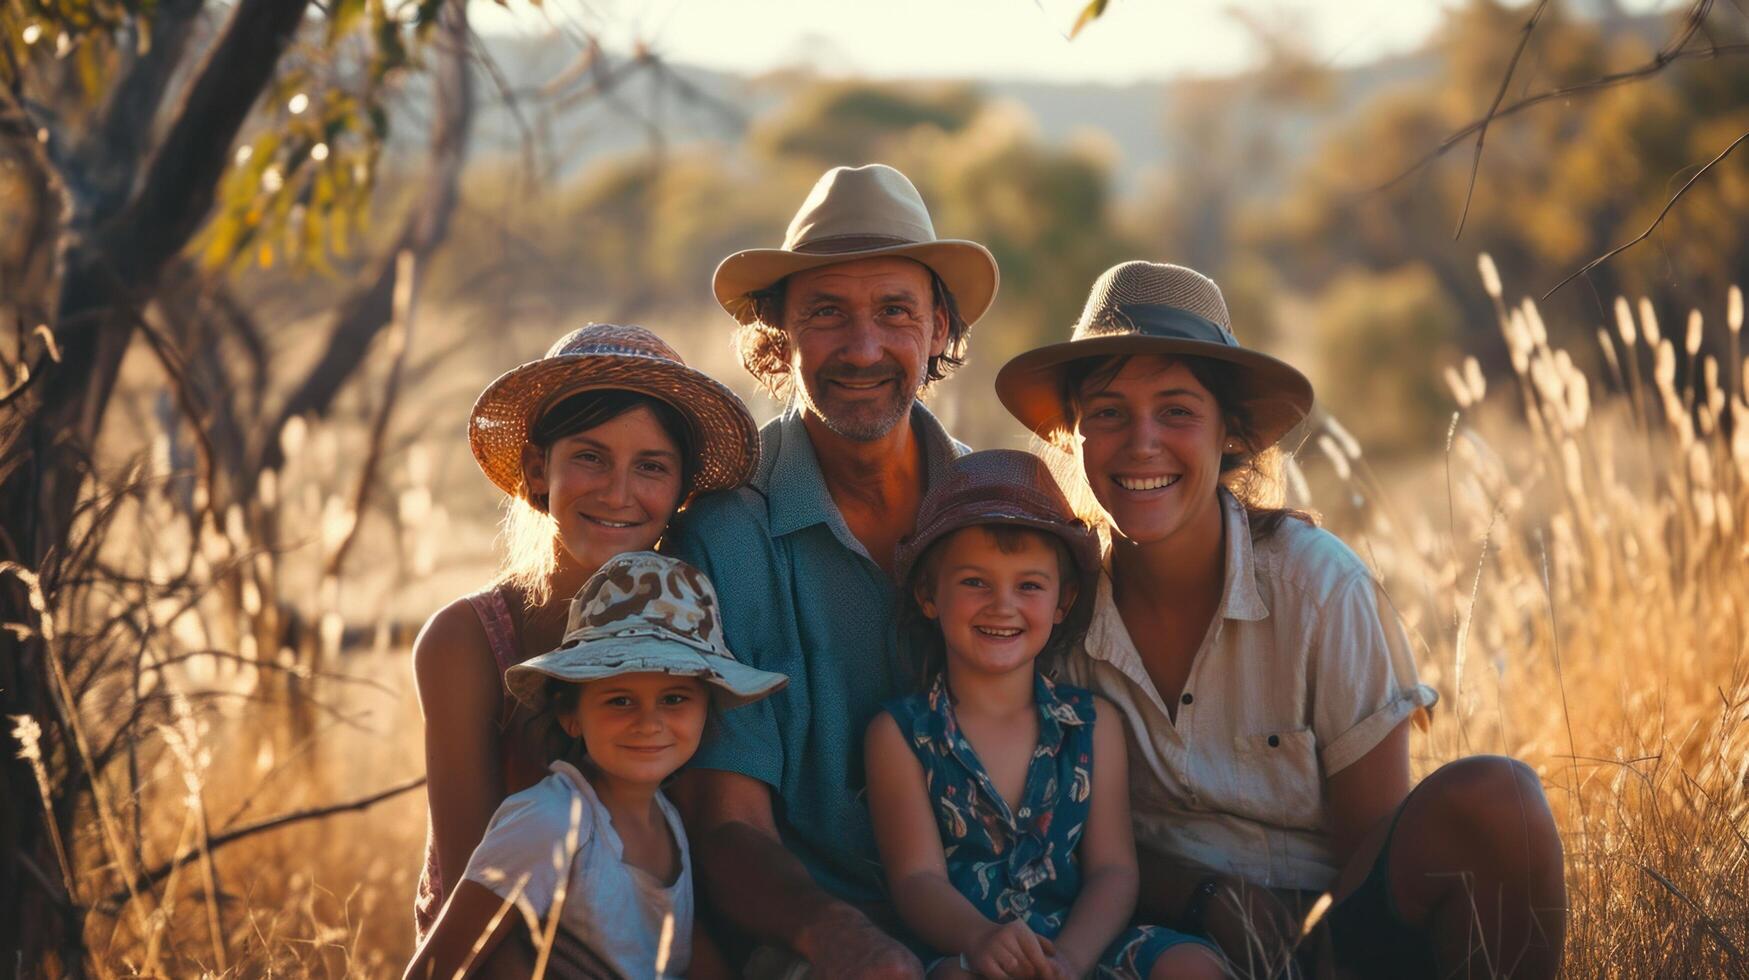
517 761
1017 863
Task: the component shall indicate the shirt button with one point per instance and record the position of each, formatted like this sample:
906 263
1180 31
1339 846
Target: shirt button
1187 698
1025 811
1274 740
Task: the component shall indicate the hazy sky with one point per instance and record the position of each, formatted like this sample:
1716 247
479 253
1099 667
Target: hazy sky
1135 39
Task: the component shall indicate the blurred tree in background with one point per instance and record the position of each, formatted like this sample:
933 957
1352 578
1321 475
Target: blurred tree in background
634 237
1559 184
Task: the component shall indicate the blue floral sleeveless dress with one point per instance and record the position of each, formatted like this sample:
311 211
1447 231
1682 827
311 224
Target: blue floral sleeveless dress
1021 864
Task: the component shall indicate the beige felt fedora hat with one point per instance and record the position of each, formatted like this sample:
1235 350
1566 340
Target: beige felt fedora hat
859 213
609 355
1154 308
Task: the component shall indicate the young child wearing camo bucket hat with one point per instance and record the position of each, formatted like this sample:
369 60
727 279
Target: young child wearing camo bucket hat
596 843
1007 850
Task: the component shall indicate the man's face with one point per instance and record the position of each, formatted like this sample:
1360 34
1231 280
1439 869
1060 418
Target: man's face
861 335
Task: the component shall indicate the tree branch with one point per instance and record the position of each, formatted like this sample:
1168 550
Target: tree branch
183 174
219 840
1642 236
370 308
1493 107
406 279
118 141
1676 49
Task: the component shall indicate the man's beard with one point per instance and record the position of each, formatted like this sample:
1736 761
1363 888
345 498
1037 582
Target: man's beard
864 420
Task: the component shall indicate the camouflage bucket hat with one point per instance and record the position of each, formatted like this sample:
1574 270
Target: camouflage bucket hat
645 613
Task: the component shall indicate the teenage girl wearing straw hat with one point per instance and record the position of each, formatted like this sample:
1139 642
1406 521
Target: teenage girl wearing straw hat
1267 686
596 445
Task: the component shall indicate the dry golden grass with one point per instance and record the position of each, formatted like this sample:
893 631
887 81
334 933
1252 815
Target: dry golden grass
1577 571
1579 577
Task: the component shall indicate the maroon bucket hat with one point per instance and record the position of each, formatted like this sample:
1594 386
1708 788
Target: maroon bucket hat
998 486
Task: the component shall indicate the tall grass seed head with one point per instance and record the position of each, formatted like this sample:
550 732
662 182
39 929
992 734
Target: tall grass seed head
1649 321
1460 391
1331 449
1474 379
1490 275
1624 321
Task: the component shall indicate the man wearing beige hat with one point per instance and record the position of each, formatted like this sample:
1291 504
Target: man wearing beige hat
849 321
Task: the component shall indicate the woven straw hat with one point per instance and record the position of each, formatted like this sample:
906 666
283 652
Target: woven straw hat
1154 308
606 355
645 613
998 486
860 213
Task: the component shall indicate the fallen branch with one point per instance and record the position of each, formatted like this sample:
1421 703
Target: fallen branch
162 871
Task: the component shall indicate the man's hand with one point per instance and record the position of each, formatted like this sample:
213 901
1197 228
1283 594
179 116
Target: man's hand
847 944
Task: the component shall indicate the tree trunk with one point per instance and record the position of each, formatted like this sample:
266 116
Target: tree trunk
111 261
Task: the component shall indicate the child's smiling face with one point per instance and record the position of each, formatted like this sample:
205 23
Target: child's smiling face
996 600
640 727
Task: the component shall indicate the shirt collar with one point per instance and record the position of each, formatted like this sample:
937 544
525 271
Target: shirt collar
1240 597
795 489
1054 710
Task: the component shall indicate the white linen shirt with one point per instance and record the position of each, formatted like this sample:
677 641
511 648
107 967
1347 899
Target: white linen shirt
1304 669
614 915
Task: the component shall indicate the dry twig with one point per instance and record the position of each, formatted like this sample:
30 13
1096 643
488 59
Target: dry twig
219 840
1642 236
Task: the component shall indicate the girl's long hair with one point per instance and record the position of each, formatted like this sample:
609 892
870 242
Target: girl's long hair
530 536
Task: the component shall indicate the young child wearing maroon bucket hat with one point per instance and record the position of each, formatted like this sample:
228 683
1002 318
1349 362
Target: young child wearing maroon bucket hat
1006 849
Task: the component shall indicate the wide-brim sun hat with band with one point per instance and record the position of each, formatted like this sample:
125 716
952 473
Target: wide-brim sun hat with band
998 486
645 613
860 213
1154 308
606 355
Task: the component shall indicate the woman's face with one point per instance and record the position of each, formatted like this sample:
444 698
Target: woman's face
611 489
1151 442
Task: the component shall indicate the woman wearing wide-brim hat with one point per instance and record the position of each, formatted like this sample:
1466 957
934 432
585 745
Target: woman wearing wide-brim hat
1267 686
596 445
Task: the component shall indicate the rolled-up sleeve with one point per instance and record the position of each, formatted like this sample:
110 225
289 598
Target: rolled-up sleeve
1363 674
731 551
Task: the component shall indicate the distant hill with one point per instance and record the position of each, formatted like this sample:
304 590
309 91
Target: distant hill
683 105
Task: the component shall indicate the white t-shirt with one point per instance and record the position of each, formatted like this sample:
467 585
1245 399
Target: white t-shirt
1304 669
616 919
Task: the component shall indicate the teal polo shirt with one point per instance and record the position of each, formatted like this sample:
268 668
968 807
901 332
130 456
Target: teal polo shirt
800 595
